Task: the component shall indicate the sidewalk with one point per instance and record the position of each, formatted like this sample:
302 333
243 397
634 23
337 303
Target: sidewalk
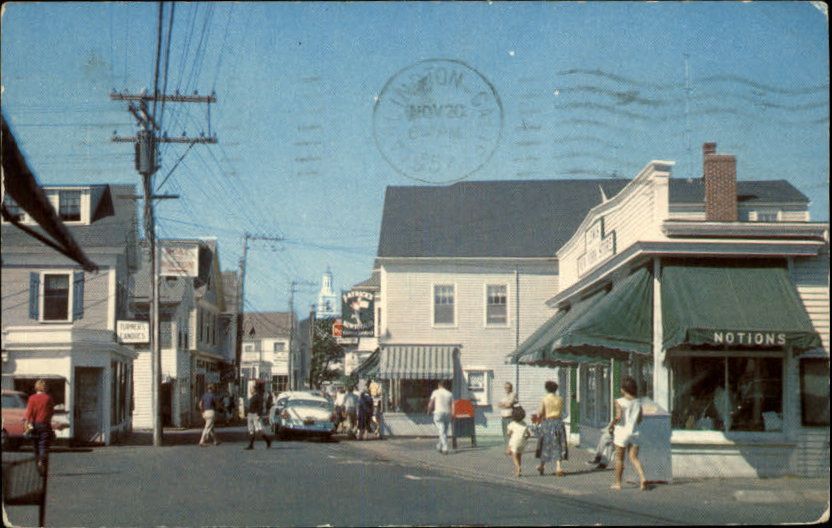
707 501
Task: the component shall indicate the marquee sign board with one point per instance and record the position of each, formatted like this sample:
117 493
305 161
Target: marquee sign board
178 261
598 247
358 313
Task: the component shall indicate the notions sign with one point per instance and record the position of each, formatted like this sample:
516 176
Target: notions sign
133 331
179 261
357 313
598 246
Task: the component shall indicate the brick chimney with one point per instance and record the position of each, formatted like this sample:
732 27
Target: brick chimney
720 175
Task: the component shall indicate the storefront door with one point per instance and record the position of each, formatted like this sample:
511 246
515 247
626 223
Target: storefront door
87 405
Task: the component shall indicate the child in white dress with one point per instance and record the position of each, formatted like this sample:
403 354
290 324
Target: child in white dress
518 435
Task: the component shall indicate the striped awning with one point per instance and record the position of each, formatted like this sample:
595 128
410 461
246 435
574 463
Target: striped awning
417 362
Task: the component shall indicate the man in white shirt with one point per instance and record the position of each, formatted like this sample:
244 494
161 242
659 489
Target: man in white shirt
340 397
440 404
507 408
350 410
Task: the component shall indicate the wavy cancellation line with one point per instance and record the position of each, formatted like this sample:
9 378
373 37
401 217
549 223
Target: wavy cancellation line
714 78
693 113
641 98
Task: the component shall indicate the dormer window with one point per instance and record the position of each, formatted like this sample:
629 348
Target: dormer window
69 206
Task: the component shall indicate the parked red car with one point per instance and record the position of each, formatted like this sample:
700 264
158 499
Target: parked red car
14 405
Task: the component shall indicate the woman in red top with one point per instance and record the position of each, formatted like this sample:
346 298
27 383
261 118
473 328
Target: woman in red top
39 413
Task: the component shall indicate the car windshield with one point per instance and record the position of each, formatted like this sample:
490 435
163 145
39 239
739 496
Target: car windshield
13 401
308 403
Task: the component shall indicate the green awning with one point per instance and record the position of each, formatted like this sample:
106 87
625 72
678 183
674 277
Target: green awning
542 338
743 306
369 367
619 323
539 349
434 362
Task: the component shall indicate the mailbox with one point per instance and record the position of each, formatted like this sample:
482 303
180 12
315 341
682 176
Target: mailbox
463 421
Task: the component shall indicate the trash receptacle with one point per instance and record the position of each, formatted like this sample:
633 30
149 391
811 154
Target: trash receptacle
654 444
463 421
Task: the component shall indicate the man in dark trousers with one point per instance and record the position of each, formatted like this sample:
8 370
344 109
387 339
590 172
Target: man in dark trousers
256 405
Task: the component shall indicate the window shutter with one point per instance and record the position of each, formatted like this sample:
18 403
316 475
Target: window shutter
34 293
78 295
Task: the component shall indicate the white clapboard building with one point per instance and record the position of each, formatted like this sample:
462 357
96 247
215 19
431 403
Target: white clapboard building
59 322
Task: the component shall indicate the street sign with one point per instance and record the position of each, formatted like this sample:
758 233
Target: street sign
133 331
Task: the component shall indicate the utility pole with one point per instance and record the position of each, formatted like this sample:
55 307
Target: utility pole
241 291
292 380
311 340
147 163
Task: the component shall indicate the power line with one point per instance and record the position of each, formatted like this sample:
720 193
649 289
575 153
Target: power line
167 62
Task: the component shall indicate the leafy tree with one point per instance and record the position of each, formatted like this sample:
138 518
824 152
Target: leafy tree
325 351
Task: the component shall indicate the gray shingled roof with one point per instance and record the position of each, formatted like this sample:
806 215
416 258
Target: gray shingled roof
530 218
371 284
113 222
763 191
267 324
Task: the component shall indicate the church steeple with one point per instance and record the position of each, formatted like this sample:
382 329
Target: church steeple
327 300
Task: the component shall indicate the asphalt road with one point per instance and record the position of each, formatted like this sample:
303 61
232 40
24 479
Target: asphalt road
295 483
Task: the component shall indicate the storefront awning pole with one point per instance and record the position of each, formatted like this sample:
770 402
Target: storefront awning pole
661 376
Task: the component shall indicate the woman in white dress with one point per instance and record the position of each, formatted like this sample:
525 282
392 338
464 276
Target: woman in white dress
625 431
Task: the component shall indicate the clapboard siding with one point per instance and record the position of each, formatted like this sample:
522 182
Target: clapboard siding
812 455
142 379
407 307
632 219
15 291
811 275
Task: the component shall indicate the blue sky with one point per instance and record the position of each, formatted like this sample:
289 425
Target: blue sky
588 90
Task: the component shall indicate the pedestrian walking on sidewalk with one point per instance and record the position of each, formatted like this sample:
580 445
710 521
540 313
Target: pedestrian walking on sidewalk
351 411
38 415
518 437
440 404
604 450
208 405
365 413
625 431
256 408
506 407
553 445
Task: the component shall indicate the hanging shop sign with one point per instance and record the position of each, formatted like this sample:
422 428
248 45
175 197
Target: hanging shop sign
598 247
133 331
357 313
179 261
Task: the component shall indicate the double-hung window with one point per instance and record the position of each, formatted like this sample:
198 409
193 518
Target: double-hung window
56 297
15 212
69 206
443 305
279 346
496 305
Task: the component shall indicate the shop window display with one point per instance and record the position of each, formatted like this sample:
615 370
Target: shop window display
412 396
727 393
